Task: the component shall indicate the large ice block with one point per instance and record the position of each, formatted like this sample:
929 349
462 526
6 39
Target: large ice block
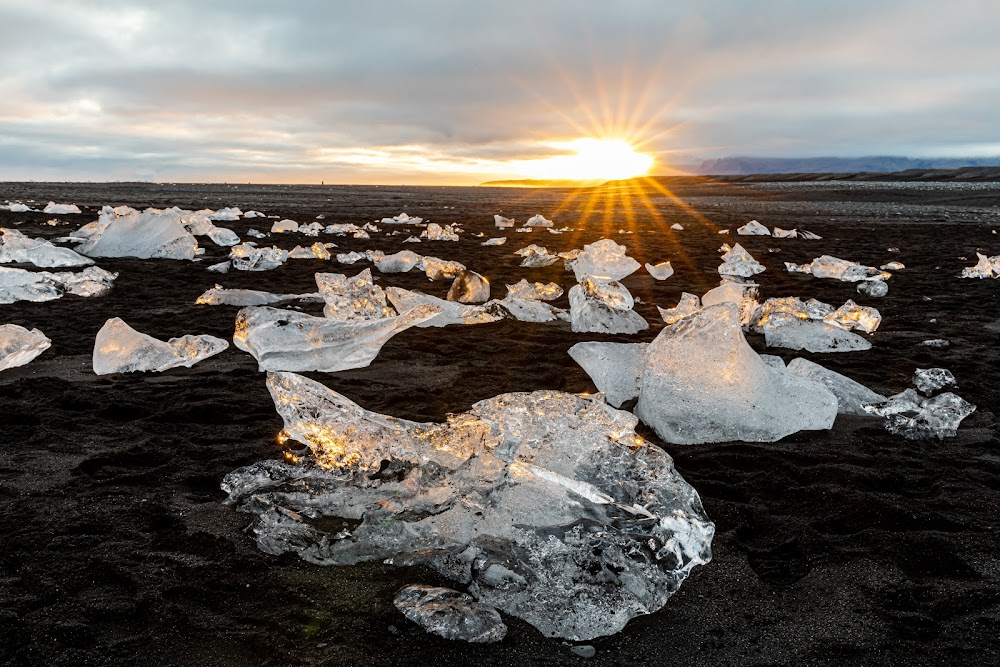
19 346
701 382
146 235
603 260
401 262
615 368
603 307
851 396
293 341
353 299
17 248
119 348
548 505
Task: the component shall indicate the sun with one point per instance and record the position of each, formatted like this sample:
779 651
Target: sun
589 159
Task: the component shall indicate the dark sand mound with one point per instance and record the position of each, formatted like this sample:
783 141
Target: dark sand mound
852 546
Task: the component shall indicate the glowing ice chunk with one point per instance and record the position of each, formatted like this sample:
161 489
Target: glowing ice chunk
540 291
744 295
689 304
245 257
851 316
603 260
448 312
353 299
874 288
499 240
660 271
603 307
738 262
19 346
469 287
435 232
121 349
442 269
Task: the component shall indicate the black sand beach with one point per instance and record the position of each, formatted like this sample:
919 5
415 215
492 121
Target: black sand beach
852 546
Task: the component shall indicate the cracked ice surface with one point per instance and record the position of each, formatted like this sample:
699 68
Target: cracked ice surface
603 260
352 299
702 382
15 247
547 504
19 346
119 348
293 341
146 235
929 380
603 307
450 614
738 262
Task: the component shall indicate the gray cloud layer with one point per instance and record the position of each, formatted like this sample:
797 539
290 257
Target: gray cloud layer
391 91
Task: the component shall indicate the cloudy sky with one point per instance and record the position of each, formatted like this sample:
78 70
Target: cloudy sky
459 91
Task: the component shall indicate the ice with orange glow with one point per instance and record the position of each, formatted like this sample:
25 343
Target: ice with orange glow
739 263
603 260
469 287
119 348
547 505
598 306
18 346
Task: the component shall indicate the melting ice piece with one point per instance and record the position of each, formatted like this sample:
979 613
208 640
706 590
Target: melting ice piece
660 271
350 257
738 262
221 236
892 266
603 307
502 222
827 266
744 295
150 234
929 380
15 247
499 240
538 221
353 299
539 291
53 208
851 396
689 304
226 214
402 219
753 228
121 349
677 227
469 287
603 260
315 251
723 231
988 267
253 233
401 262
536 256
441 269
284 227
435 232
809 236
615 368
938 417
18 345
411 239
245 257
874 288
447 312
851 316
702 382
547 504
812 336
450 614
220 296
780 233
790 307
290 340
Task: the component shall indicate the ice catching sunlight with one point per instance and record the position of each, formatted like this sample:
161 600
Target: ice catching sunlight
591 159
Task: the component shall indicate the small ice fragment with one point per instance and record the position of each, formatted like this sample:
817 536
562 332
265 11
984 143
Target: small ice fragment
442 269
677 227
253 233
352 299
538 291
535 256
499 240
350 257
660 271
874 288
929 380
220 296
892 266
18 346
53 208
538 221
411 239
689 304
400 262
469 287
284 227
221 267
226 214
753 228
245 257
502 222
119 348
723 231
435 232
851 316
809 236
450 614
780 233
937 344
988 267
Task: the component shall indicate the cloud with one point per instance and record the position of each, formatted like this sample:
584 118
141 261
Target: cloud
393 91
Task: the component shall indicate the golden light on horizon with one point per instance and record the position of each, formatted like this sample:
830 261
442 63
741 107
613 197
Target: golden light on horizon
589 159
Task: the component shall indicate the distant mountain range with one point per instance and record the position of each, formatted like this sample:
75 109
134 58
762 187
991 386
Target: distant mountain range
831 165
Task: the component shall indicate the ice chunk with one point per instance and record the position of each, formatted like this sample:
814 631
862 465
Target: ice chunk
150 234
812 336
615 368
312 229
780 233
226 214
18 346
809 236
937 344
221 267
689 304
929 380
677 227
284 227
536 256
798 268
538 221
469 287
744 295
220 296
660 271
753 228
851 316
874 288
435 232
502 222
256 234
402 219
526 310
499 240
787 308
401 262
851 396
892 266
411 239
702 382
315 251
603 260
441 269
17 208
53 208
223 237
603 307
350 257
917 418
448 312
540 291
723 231
548 504
15 247
20 285
773 361
353 299
253 214
827 266
988 267
450 614
245 257
121 349
290 340
738 262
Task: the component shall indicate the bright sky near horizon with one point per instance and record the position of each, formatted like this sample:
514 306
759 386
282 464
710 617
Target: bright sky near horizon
390 91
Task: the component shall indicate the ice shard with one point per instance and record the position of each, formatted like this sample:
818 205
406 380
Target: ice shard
738 262
539 291
245 257
753 228
284 227
450 614
603 307
851 396
226 214
53 208
469 287
499 240
442 269
121 349
538 221
525 310
221 236
615 368
702 382
744 295
401 262
929 380
17 248
988 267
19 346
660 271
220 296
677 227
290 340
353 299
851 316
146 235
548 505
435 232
688 305
603 260
447 312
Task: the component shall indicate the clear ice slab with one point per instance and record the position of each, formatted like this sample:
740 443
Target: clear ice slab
18 345
547 505
615 368
17 248
119 348
146 235
603 260
851 396
450 614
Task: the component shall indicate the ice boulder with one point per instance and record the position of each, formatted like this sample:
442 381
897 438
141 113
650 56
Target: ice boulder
353 299
660 271
548 505
851 396
603 307
290 340
702 382
19 346
17 248
121 349
53 208
469 287
146 235
603 260
615 368
450 614
753 228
